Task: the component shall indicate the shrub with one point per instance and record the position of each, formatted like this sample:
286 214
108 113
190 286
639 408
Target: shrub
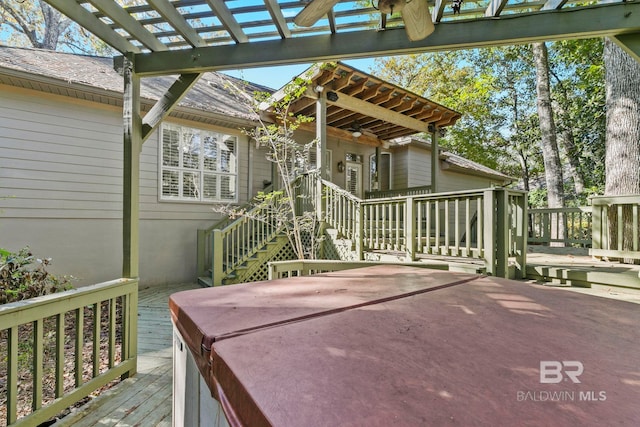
22 276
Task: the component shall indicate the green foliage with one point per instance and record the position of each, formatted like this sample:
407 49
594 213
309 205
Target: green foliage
494 89
22 276
538 198
291 158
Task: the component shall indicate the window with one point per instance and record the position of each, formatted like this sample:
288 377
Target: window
197 165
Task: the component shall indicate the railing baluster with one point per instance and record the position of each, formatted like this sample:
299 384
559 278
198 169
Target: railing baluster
97 311
634 215
112 332
467 230
480 226
38 352
59 354
620 226
12 375
428 227
79 339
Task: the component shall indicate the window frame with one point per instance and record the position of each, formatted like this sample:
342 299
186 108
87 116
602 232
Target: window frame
220 139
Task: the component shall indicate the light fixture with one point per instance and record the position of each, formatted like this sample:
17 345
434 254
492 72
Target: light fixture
332 96
389 6
356 129
340 166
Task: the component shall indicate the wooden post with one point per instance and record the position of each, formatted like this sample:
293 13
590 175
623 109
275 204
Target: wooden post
131 192
489 239
217 254
321 150
502 232
521 225
435 158
596 227
410 228
201 263
359 231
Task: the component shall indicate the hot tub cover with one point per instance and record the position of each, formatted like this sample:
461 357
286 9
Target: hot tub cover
394 345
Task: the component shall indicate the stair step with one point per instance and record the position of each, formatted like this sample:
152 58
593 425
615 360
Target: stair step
205 281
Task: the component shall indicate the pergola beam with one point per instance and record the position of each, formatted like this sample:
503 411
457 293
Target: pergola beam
167 102
278 18
495 8
228 21
129 23
573 23
87 20
177 21
381 113
630 43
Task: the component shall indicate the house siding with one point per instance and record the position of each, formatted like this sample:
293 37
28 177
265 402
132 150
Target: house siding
61 191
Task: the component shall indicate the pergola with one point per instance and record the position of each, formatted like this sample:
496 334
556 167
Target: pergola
189 37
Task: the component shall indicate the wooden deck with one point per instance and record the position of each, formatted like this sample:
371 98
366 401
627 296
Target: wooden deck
576 268
144 400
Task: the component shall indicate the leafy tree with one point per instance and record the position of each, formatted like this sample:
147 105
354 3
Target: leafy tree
36 24
291 159
623 135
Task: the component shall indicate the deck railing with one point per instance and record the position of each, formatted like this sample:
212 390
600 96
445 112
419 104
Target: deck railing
223 250
570 227
49 352
411 191
487 224
615 226
306 267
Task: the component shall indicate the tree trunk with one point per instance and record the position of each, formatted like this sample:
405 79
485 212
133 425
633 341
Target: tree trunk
622 158
549 143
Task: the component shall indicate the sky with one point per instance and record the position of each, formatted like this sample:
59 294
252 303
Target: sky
276 77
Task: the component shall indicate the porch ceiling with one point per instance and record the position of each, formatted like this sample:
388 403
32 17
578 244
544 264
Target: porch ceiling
192 36
378 109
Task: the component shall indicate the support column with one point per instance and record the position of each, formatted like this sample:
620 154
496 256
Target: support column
435 158
132 129
321 149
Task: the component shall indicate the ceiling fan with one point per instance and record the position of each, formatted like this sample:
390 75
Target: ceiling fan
415 14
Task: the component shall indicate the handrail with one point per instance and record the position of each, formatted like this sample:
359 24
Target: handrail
616 226
410 191
117 301
568 227
227 219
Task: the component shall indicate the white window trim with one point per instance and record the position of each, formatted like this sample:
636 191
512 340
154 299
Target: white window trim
201 170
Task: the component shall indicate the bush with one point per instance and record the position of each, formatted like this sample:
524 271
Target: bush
22 277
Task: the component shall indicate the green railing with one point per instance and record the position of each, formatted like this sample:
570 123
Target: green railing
49 352
569 227
223 250
411 191
485 224
306 267
615 226
343 211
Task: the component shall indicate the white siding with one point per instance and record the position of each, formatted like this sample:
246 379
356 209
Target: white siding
61 191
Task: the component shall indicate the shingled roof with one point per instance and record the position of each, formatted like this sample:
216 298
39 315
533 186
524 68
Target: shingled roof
73 75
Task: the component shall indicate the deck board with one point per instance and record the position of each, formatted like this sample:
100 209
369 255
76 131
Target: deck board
145 399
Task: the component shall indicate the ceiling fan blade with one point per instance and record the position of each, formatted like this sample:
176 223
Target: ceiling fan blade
417 20
314 11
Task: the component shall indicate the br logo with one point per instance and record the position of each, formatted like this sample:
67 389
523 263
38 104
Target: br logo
553 371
